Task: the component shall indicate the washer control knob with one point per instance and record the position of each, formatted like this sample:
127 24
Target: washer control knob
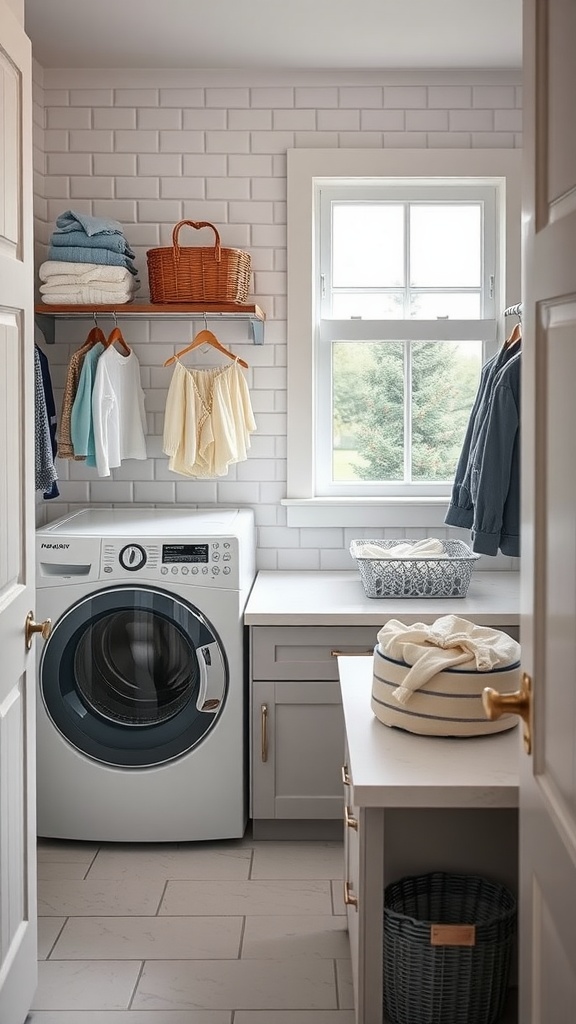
164 570
132 557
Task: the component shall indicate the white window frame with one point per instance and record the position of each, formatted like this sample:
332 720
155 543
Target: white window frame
307 169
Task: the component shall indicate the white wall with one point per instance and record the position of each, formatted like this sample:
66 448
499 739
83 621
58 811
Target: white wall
152 147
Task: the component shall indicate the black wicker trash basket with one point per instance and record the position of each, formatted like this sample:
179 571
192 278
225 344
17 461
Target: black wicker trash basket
447 949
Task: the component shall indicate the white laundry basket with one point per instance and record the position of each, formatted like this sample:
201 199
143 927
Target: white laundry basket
449 704
446 575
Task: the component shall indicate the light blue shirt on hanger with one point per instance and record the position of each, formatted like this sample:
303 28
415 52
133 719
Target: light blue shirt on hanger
81 426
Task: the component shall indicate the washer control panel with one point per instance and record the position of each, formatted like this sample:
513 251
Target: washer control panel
192 561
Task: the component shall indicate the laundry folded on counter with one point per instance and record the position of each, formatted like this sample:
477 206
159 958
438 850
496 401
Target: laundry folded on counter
427 548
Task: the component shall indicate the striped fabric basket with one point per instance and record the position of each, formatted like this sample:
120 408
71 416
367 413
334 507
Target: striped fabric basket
449 704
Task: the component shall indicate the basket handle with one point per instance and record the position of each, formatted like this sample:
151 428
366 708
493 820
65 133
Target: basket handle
196 224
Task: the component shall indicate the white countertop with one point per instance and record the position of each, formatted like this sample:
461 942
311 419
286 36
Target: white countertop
393 768
338 598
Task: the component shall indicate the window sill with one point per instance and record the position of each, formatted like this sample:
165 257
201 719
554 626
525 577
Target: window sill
363 512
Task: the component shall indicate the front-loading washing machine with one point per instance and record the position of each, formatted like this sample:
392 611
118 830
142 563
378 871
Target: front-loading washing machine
142 710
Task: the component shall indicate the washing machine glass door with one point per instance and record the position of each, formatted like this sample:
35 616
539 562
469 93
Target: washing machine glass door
133 676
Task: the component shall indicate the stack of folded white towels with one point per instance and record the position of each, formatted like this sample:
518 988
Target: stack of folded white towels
89 263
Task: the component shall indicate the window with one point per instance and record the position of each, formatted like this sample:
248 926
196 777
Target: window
392 403
402 307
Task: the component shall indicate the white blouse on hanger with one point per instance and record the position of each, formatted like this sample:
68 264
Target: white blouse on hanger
118 415
208 420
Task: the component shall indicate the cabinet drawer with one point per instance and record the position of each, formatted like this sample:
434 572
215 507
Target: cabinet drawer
305 652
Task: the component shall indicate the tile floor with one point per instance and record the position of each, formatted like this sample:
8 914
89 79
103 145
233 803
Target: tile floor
238 932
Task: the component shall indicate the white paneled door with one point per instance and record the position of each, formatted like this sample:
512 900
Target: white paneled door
548 567
17 675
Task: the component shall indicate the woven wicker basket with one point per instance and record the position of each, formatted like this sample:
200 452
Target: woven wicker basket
447 983
198 274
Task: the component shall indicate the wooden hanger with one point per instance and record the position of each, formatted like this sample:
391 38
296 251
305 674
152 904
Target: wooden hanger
515 336
116 335
206 337
96 335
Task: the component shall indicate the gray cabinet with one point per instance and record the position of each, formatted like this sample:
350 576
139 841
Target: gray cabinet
297 727
416 804
297 724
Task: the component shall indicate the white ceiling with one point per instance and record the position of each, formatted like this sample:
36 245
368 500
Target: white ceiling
269 34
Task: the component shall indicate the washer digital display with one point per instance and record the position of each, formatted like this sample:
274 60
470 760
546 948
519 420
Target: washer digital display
184 553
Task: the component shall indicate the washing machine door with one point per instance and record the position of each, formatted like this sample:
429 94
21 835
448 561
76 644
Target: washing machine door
133 676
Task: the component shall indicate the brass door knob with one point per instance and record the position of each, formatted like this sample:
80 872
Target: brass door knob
31 627
518 703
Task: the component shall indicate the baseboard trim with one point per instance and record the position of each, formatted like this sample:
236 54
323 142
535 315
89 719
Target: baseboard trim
298 829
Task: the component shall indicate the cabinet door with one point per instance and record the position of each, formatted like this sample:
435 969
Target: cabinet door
297 744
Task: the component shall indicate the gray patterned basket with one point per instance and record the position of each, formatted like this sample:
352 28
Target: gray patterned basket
426 983
447 575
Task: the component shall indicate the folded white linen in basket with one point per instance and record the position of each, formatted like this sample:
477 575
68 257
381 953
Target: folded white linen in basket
430 547
82 273
448 641
88 296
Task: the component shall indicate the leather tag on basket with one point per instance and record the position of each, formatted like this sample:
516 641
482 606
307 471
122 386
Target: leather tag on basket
453 935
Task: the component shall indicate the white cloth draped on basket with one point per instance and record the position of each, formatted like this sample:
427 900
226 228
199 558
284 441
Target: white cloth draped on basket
447 642
429 547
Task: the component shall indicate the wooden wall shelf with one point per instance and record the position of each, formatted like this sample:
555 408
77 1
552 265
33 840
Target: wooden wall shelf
46 315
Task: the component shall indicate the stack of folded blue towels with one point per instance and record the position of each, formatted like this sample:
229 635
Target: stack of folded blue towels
89 262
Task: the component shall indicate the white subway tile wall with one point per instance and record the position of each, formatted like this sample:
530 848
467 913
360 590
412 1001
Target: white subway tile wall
150 156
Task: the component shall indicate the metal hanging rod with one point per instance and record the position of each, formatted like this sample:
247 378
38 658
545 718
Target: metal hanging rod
45 318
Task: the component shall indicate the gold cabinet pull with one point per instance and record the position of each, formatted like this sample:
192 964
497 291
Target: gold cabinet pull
264 732
351 654
349 898
351 821
345 775
31 627
517 703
